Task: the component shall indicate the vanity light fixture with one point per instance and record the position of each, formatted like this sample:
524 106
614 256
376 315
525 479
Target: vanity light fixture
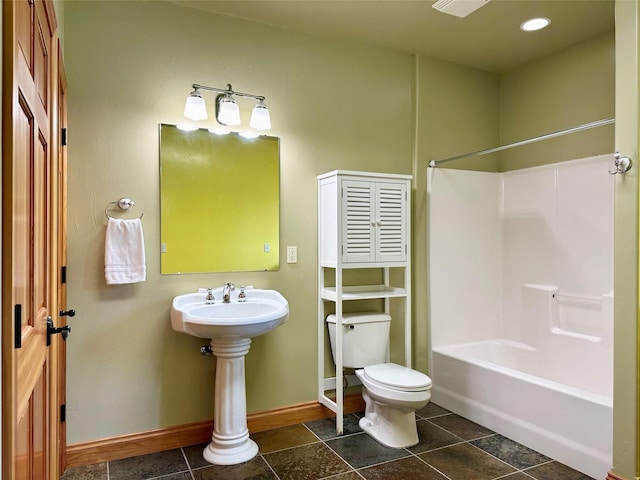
535 24
227 110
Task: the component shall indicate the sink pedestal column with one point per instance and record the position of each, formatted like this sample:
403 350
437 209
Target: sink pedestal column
230 442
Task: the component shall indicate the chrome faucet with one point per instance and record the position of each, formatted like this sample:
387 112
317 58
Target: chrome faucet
226 292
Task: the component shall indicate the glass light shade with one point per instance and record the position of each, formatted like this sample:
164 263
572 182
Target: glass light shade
195 108
260 118
228 111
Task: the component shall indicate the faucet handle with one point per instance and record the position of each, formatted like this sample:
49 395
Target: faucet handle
209 299
242 296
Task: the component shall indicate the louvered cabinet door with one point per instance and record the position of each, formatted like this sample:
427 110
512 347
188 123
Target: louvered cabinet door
358 222
373 222
390 223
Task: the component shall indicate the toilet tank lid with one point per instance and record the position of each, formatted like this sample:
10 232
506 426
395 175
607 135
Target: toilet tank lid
397 376
360 317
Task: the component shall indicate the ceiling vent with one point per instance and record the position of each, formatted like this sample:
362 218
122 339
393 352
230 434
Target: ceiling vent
459 8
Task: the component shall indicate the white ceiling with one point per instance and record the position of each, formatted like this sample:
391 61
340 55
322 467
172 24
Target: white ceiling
488 39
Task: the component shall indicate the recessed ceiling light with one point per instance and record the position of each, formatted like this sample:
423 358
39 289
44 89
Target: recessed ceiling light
535 24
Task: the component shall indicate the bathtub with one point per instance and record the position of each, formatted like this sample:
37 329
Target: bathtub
565 415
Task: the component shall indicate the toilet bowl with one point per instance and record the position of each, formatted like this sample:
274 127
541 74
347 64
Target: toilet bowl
392 393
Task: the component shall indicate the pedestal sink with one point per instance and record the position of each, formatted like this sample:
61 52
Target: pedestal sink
230 327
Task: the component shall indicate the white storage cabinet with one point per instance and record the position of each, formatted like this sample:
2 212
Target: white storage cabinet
364 222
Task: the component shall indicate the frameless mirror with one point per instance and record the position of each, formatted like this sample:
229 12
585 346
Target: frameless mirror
219 201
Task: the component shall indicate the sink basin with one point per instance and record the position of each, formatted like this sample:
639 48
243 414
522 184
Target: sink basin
262 311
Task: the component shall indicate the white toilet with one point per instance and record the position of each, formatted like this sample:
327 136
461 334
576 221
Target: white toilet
392 393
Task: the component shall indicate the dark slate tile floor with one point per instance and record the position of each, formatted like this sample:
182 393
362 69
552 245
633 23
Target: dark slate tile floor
450 448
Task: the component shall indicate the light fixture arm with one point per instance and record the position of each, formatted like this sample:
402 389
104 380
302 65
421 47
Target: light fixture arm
229 91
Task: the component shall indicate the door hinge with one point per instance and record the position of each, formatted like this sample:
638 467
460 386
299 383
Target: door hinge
63 413
63 274
63 136
17 325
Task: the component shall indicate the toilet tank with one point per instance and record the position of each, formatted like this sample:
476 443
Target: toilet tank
364 339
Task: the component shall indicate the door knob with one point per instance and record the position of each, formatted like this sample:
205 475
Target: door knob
51 330
67 313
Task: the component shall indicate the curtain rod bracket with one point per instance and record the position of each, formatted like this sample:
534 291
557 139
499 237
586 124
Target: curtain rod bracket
621 164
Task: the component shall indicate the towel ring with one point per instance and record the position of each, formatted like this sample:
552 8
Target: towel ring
123 203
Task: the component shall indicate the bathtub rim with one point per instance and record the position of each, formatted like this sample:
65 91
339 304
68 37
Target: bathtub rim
604 400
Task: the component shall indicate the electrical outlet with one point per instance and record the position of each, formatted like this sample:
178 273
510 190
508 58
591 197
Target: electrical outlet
267 248
292 254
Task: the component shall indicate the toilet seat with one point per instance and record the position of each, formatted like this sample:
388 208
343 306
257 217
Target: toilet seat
397 377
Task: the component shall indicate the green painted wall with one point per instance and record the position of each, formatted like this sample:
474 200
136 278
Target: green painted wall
59 9
569 88
626 444
130 66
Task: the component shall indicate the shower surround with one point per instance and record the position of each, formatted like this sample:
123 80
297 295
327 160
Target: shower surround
521 304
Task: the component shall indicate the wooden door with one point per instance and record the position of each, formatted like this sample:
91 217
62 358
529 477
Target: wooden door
29 224
62 257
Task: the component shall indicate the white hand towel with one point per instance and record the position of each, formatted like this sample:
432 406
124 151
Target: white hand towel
124 260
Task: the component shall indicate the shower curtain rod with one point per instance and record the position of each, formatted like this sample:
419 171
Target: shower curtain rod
586 126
